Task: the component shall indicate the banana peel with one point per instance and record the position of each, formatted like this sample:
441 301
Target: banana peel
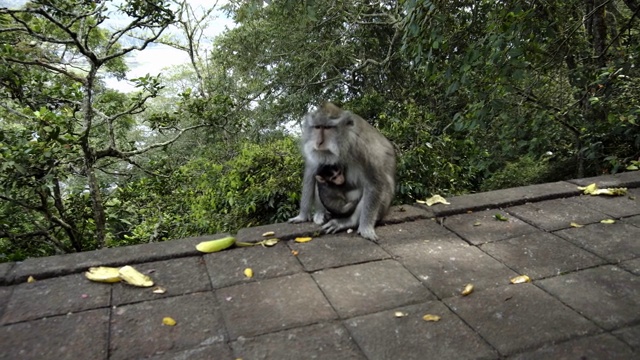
127 273
103 274
133 277
592 189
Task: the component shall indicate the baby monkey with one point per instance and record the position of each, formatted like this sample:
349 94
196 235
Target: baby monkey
338 197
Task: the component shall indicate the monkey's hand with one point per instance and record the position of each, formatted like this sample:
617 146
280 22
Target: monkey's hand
368 233
335 225
299 219
319 217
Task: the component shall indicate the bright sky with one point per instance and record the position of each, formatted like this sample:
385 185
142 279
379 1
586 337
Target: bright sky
157 57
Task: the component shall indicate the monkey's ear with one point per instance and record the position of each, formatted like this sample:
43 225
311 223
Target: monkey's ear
331 110
348 118
320 179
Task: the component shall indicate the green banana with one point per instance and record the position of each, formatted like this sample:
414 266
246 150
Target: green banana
215 245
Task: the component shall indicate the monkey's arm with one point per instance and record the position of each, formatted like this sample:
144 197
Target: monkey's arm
308 198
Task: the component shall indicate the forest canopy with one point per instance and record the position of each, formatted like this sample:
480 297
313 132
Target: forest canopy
474 96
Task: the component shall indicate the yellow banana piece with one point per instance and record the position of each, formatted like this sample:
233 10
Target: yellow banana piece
134 277
215 245
103 274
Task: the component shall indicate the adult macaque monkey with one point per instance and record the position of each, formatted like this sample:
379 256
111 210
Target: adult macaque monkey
338 198
332 136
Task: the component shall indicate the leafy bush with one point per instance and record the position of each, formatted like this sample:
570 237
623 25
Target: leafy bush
260 184
524 171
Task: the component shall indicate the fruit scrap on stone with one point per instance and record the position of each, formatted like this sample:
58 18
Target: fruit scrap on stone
592 189
103 274
268 233
215 245
168 321
520 279
268 242
248 272
303 239
435 199
127 273
133 277
468 289
500 217
431 317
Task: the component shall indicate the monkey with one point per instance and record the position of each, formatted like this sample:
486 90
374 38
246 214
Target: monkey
338 198
333 136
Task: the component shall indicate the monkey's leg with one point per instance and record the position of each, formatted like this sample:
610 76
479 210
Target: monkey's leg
370 208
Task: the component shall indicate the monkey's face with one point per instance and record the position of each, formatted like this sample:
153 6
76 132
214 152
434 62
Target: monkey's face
326 134
324 137
331 174
337 178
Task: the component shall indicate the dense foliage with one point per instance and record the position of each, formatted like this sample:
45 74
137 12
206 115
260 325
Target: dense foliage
474 95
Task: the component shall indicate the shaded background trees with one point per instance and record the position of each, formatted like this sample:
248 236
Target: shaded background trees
475 95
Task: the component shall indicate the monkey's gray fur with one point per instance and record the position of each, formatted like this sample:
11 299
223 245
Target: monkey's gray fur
332 136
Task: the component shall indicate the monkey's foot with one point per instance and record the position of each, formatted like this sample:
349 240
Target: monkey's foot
368 233
299 219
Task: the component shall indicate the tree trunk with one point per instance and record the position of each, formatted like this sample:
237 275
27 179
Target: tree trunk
90 159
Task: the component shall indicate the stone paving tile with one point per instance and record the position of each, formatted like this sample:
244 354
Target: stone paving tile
541 255
631 265
515 318
614 242
227 267
614 206
384 336
446 266
212 352
633 220
626 179
272 305
481 227
283 231
75 336
178 276
57 296
630 335
5 295
286 231
58 265
421 229
556 214
404 213
366 288
504 197
608 295
329 341
603 346
137 330
5 271
336 250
